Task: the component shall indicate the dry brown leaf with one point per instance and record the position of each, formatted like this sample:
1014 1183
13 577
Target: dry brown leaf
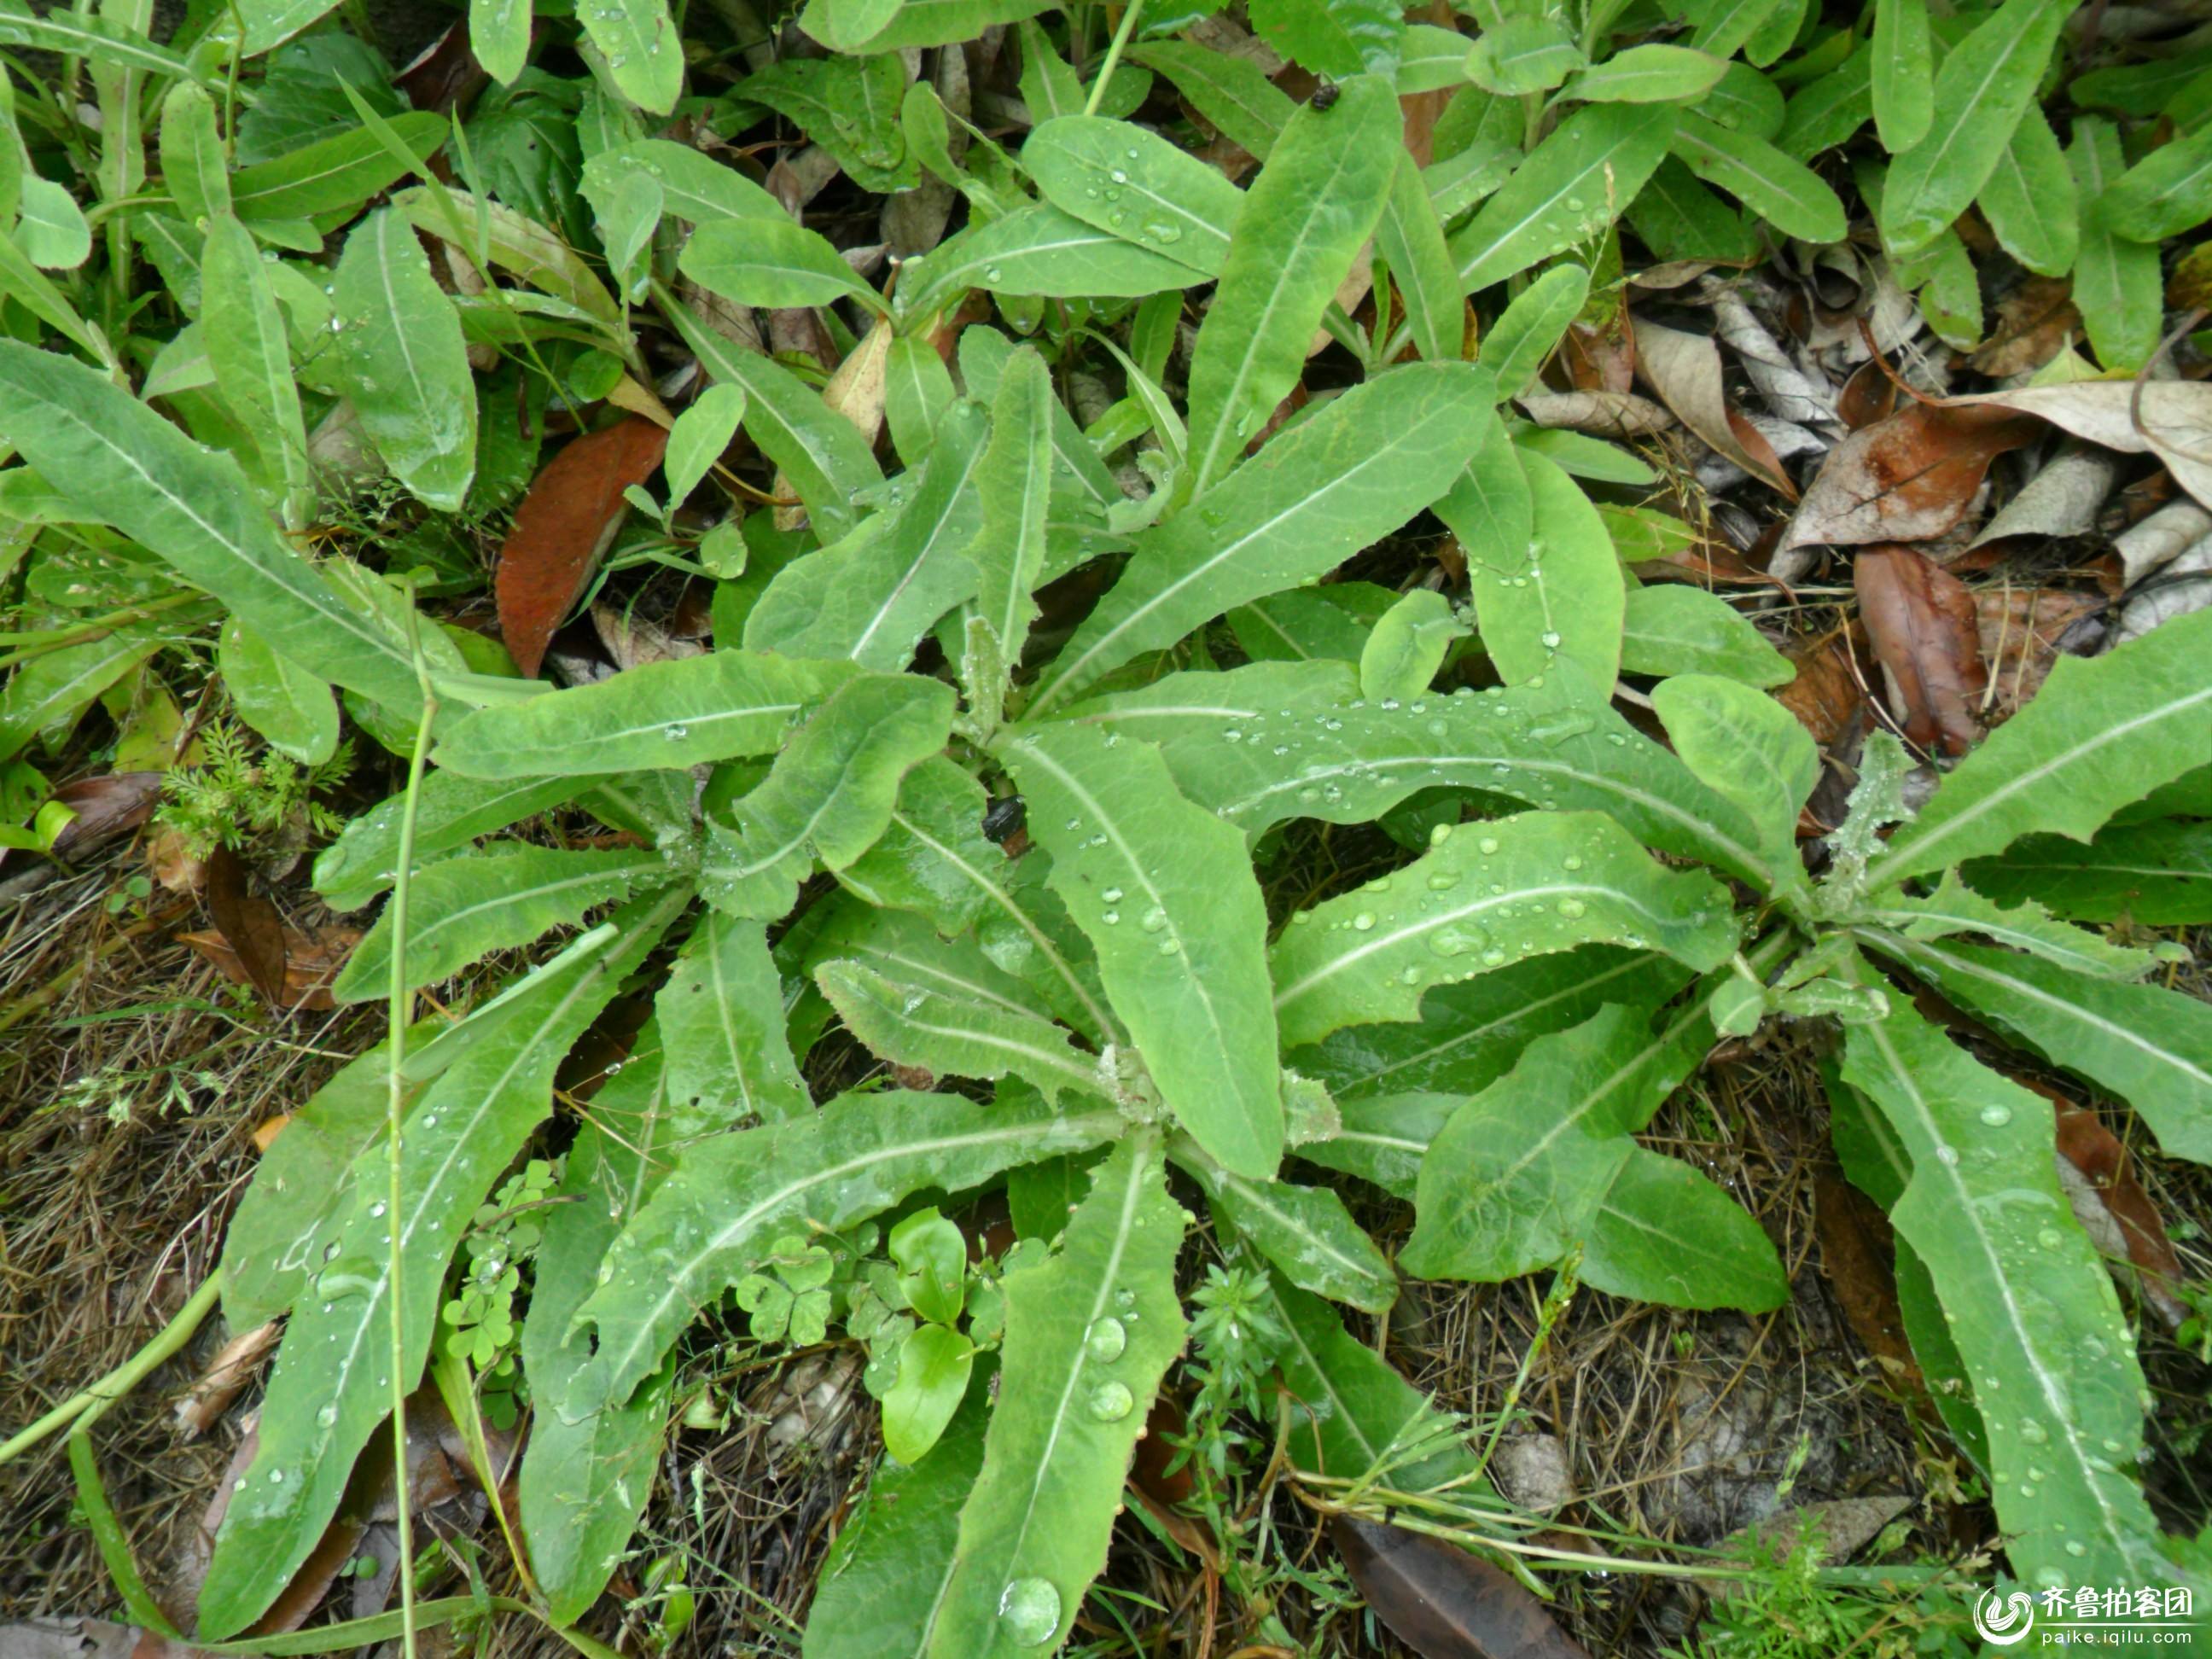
1858 1256
563 526
112 805
312 958
1868 396
2021 629
2090 1150
2035 322
1599 414
1826 695
2063 500
1907 478
249 925
228 1372
1921 623
856 390
2170 419
1684 372
1442 1603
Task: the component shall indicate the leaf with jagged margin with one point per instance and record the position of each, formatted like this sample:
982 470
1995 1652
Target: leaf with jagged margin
584 1483
2028 1301
918 1025
1349 760
1037 250
673 714
916 864
1015 480
728 1197
1953 910
819 453
1559 598
1485 895
1356 1409
1749 748
1411 239
1306 217
872 597
1510 1183
1576 181
829 795
512 242
2103 732
1338 481
402 361
721 1023
333 1384
2157 874
117 462
251 358
1470 1034
1383 1137
1672 628
1305 1231
886 1571
1090 1332
1664 1232
464 908
1130 181
2150 1046
1079 475
452 811
1165 892
905 948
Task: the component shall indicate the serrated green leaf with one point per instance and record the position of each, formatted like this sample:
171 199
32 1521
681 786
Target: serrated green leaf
1786 193
402 363
1985 83
251 358
2103 732
829 793
1904 68
1128 181
2150 1046
1572 185
2029 1304
1072 1401
285 703
1314 205
1671 628
1305 1231
1749 748
721 1018
2115 282
770 262
918 1025
1165 893
333 1384
2158 874
2029 199
727 1198
1647 75
452 811
1486 894
1313 496
675 713
1953 908
1556 602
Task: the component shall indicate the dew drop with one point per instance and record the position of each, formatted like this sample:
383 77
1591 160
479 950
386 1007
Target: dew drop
1363 921
676 733
328 1415
1111 1401
1029 1609
1486 845
1997 1116
1105 1339
1112 895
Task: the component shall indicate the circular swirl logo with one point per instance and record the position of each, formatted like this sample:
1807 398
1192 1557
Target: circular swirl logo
2003 1620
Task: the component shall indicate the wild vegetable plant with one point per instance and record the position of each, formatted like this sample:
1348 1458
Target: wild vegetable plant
1030 849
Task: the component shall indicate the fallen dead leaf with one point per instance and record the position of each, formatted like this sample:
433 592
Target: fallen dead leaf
2061 500
228 1372
1868 396
1684 372
1858 1256
1908 477
2021 629
1599 413
1442 1603
251 926
312 958
2035 322
108 806
2170 419
1920 624
562 528
1828 693
2119 1213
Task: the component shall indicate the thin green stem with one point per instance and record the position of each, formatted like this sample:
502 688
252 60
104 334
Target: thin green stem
90 1403
1121 35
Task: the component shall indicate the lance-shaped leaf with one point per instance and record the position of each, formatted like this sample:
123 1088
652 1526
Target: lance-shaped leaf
644 53
940 805
1671 628
2116 281
829 793
1751 749
1305 1231
251 357
1233 94
2102 733
585 1481
1530 329
1483 895
333 1382
451 811
675 713
1954 909
291 708
2150 1046
1015 482
1037 250
1166 893
1664 1232
1129 181
1983 85
1902 63
464 907
771 261
904 949
2029 199
1470 1034
51 690
1089 1335
918 1025
2158 874
1578 181
1556 598
1553 745
721 1208
402 363
818 451
721 1019
337 173
1786 193
2029 1304
886 1572
117 462
1341 479
497 234
1313 206
1410 237
872 596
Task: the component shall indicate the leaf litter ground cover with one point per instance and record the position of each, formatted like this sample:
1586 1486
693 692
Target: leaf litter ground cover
1301 825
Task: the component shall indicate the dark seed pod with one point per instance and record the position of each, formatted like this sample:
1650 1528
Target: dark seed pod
1003 817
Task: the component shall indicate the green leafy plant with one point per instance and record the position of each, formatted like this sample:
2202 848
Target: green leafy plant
808 821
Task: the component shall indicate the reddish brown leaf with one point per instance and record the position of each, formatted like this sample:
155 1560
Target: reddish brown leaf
1857 1254
1600 356
2035 322
2096 1154
1868 396
1442 1603
1684 371
312 960
563 526
108 806
2021 629
1908 477
444 74
250 926
1920 621
1826 694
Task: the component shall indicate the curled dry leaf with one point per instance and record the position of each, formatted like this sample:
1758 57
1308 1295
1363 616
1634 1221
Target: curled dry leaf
1857 1253
1828 691
2170 419
1442 1603
2035 322
2100 1180
562 528
2159 538
108 806
1921 623
1599 414
230 1370
249 925
2061 500
1868 396
1684 371
2022 630
1907 478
